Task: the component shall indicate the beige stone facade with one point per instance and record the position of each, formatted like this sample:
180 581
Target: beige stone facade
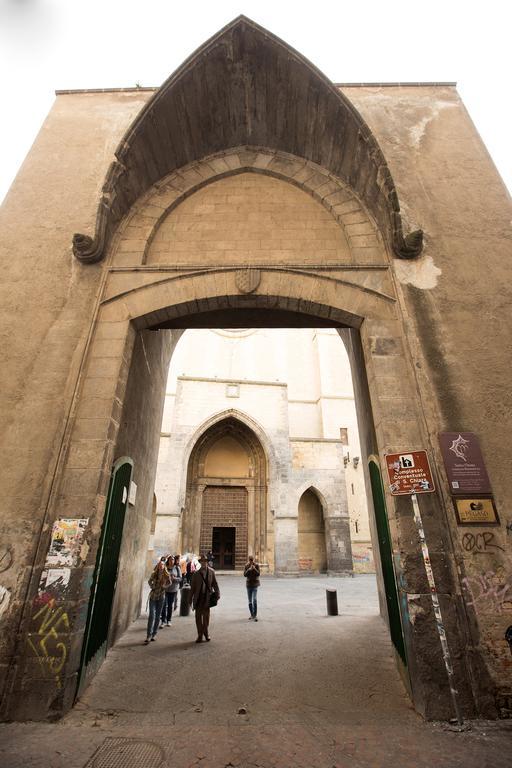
86 341
295 385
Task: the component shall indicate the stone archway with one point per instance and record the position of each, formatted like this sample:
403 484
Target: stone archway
327 152
227 486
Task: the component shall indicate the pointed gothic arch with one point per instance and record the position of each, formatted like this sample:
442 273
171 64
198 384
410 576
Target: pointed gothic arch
273 467
218 501
246 87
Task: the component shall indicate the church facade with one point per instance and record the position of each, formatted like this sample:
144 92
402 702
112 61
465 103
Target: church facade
258 422
249 191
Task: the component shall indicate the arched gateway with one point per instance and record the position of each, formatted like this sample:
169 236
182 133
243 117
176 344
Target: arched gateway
226 507
249 191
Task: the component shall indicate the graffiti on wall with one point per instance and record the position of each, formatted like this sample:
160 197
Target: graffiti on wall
49 638
480 543
5 596
49 641
489 591
6 558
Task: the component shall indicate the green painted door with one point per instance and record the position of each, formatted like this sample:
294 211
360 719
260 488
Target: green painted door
105 573
386 558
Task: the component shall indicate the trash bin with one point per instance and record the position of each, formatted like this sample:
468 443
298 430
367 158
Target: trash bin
185 600
332 601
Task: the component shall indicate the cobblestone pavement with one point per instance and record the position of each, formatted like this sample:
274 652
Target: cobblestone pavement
296 689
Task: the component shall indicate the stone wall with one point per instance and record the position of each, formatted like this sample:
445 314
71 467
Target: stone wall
139 439
248 219
435 346
457 301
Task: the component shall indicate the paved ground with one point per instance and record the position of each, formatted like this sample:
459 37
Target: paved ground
318 692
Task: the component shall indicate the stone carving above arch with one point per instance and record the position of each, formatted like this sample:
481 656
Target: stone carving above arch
246 87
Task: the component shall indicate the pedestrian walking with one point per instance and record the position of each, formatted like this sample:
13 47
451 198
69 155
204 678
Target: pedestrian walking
190 568
205 594
209 557
252 581
178 573
171 590
158 581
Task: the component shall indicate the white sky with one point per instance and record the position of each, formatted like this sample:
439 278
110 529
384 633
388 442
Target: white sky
52 44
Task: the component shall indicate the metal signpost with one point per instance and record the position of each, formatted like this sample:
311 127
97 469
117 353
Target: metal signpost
409 474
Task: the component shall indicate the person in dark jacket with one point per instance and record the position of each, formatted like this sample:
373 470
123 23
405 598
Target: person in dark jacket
204 584
252 580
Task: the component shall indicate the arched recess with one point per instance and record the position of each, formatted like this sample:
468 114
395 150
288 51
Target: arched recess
311 533
246 87
336 197
215 501
273 464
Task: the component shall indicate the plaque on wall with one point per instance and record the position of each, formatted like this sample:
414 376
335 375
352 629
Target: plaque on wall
464 464
476 511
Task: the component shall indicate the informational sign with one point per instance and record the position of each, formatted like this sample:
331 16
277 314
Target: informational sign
409 472
464 464
476 511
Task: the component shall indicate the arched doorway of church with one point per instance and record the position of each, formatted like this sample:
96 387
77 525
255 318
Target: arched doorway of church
311 534
226 508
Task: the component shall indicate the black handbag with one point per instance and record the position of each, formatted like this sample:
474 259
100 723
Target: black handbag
212 595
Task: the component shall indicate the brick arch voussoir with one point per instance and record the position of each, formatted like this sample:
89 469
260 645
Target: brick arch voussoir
148 213
168 301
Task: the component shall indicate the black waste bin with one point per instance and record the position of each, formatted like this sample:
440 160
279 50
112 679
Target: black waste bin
185 600
332 601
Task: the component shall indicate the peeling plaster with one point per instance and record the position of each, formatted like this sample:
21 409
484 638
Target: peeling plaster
5 596
417 131
415 610
421 273
84 550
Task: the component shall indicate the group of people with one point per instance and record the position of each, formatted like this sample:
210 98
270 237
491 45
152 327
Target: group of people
168 578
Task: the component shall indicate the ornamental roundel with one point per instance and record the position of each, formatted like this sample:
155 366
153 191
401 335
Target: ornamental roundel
247 280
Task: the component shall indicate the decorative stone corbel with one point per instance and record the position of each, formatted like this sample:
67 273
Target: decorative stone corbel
409 246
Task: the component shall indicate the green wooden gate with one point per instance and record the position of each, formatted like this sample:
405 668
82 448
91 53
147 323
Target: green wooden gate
386 558
104 580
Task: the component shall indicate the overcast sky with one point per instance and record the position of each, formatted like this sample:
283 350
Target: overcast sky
51 44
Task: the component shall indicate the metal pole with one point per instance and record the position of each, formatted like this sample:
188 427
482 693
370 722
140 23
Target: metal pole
437 609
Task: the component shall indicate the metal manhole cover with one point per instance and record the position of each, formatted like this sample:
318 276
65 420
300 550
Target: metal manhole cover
127 753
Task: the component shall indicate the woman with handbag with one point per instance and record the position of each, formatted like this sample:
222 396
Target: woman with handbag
158 581
171 590
205 595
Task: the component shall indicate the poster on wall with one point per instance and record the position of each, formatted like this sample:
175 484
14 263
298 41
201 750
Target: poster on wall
66 541
464 464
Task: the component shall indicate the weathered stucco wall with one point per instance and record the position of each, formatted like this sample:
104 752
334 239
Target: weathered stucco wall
138 438
47 301
457 300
